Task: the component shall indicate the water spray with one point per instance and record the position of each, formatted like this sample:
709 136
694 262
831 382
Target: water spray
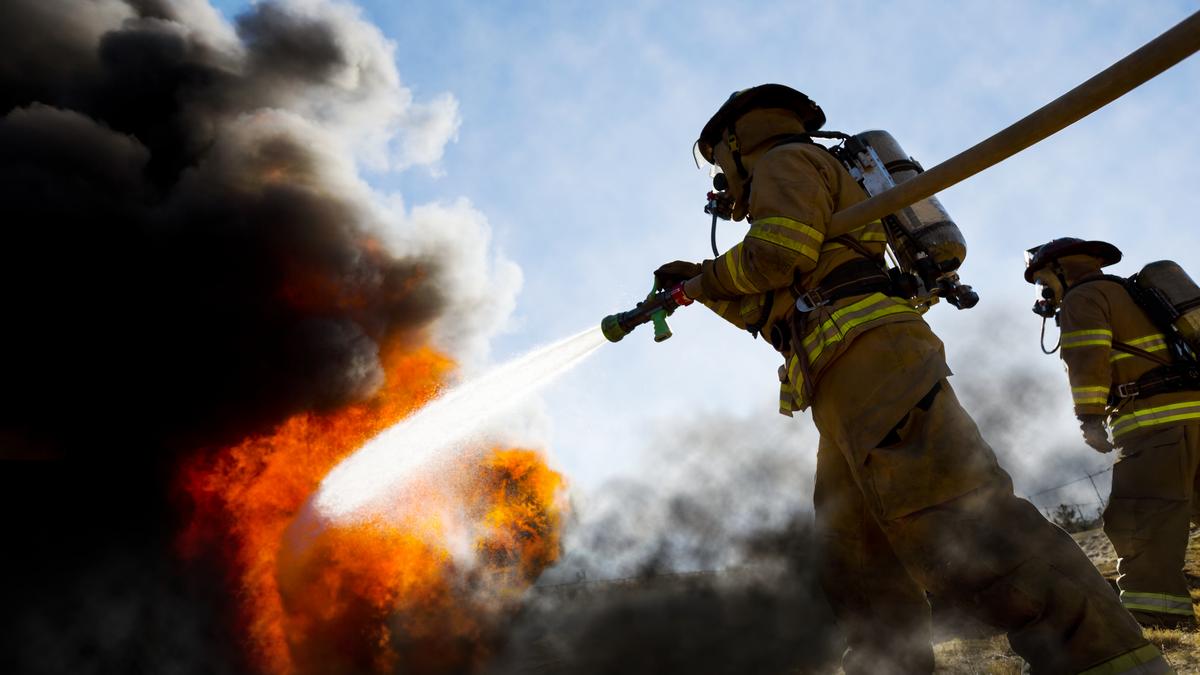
423 447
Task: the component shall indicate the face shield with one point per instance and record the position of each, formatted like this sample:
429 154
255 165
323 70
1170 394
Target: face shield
1049 287
700 154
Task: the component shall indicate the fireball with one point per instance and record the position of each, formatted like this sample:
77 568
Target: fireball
419 587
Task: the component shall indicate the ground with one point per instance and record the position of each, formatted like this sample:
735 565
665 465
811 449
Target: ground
992 656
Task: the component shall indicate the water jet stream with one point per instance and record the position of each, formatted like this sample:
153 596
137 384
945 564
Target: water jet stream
439 432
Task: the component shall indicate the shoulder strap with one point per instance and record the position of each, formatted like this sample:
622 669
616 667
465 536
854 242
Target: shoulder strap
1135 294
792 138
1106 277
1134 351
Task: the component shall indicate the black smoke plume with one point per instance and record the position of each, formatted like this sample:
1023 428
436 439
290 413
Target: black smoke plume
189 255
181 259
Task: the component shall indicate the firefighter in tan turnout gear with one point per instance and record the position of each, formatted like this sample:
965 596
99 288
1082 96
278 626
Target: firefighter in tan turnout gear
1119 364
909 498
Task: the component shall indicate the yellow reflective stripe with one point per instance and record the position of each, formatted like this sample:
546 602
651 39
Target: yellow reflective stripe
786 242
788 223
1149 343
835 329
1131 663
1087 331
1160 603
874 306
1149 338
1092 337
871 232
1149 417
790 234
732 267
1089 395
1140 607
787 400
720 307
832 322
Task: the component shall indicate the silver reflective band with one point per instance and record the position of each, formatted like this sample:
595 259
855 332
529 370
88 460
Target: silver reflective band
1160 603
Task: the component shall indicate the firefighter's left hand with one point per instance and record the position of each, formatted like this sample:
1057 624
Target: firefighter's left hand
676 272
1094 433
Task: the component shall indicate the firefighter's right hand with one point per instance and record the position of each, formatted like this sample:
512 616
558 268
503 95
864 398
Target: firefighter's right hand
676 273
1094 432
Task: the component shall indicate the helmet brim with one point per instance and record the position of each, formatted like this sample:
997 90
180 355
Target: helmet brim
762 96
1106 252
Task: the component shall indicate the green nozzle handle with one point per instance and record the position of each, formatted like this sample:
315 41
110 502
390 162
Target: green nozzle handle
655 308
661 330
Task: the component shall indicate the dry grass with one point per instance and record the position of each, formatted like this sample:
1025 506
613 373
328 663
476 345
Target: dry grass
977 657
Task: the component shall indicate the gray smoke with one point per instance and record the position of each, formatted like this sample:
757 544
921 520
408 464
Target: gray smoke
1021 401
704 563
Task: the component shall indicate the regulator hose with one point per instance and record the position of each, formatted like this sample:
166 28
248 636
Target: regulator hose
1043 340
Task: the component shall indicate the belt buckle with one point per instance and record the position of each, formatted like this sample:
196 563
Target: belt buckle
1127 390
810 301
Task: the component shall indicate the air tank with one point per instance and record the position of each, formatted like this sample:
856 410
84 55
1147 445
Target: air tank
926 222
1175 286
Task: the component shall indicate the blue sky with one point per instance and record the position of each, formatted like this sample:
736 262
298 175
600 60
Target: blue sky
577 125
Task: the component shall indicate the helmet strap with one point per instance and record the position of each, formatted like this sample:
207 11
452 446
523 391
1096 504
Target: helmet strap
737 155
1062 276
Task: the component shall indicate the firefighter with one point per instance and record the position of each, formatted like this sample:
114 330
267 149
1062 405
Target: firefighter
1108 341
909 498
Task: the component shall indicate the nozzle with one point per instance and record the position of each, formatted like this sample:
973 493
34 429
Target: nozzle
611 326
655 308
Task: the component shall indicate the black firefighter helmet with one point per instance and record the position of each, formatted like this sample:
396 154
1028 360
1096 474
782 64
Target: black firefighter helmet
1038 257
756 98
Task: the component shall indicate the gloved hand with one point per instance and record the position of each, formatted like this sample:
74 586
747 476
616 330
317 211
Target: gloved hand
1094 433
676 272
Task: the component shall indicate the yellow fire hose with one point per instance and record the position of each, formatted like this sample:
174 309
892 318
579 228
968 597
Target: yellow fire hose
1117 80
1139 67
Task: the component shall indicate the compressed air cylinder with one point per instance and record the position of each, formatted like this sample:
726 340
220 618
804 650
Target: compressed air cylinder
1169 279
926 221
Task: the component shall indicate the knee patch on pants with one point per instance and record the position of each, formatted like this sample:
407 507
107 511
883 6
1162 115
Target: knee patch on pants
939 455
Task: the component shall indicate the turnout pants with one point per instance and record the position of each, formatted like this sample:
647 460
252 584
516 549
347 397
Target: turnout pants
889 532
1153 498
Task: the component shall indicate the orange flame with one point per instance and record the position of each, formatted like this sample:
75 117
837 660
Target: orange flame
372 596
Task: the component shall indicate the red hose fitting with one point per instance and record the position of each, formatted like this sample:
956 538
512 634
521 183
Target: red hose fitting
679 296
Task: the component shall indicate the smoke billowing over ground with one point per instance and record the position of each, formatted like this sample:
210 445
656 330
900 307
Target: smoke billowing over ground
717 493
190 255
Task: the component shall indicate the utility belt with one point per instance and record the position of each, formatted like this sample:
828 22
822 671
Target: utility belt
858 277
1160 380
